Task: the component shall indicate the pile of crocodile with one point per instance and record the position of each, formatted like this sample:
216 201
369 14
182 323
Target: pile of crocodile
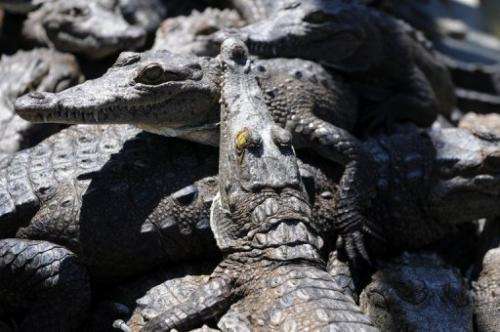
246 165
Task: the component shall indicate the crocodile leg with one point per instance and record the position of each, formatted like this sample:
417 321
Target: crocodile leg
45 282
207 302
354 191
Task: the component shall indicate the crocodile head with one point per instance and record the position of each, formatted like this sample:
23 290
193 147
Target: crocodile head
466 176
153 90
91 28
263 202
306 29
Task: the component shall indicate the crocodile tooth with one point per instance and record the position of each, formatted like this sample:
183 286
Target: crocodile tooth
96 116
45 118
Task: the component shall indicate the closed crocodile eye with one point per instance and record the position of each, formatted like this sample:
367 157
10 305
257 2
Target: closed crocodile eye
151 74
317 17
186 195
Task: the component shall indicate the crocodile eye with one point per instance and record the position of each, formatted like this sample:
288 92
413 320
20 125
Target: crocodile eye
317 17
186 195
151 74
75 12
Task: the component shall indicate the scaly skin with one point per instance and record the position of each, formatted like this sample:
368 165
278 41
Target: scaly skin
486 293
188 34
93 28
42 280
256 10
40 70
181 93
261 220
418 292
56 188
376 52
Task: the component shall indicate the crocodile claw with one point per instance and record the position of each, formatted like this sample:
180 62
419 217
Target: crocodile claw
352 245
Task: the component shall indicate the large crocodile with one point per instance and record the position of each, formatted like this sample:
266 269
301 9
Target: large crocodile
261 220
25 71
178 95
371 48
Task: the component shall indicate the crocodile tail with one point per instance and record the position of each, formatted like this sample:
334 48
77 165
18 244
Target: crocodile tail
44 284
297 298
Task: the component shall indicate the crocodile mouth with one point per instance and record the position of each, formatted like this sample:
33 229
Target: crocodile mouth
44 107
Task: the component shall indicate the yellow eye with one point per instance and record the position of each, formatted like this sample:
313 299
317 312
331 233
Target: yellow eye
242 139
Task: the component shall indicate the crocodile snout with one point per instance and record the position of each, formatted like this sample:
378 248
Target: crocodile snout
33 106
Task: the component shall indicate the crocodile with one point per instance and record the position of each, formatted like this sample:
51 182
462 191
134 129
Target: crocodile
94 28
35 70
486 293
261 219
178 95
418 292
376 52
54 192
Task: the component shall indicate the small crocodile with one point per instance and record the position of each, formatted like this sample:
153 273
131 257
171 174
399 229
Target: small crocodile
375 51
418 292
92 28
178 95
261 220
25 71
